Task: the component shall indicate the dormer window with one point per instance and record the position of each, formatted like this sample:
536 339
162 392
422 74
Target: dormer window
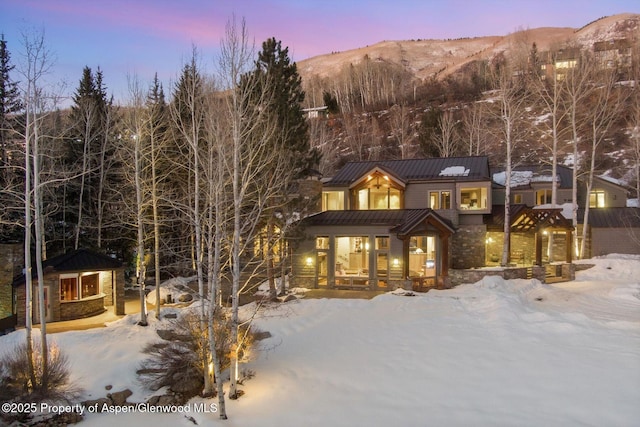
377 191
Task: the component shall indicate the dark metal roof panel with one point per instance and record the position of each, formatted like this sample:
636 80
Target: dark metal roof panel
400 220
476 168
612 217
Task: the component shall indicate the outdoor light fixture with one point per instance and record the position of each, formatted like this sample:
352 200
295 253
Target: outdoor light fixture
396 262
309 261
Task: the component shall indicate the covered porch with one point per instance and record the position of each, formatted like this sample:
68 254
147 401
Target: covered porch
376 250
539 237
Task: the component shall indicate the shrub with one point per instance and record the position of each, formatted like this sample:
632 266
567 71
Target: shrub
16 383
178 362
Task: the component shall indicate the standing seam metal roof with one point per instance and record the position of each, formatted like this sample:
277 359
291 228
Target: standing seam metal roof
416 169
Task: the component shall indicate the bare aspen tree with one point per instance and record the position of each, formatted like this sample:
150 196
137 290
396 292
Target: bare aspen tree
36 65
156 129
577 87
249 160
472 120
217 213
446 140
188 115
402 130
549 92
509 113
135 125
606 104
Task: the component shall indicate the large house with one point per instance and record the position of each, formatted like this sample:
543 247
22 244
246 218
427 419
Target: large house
386 224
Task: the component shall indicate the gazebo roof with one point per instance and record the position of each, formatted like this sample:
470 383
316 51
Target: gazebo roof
524 219
77 260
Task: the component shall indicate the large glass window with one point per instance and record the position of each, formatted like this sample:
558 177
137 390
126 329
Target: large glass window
422 256
352 256
378 198
377 192
333 200
597 199
473 198
74 287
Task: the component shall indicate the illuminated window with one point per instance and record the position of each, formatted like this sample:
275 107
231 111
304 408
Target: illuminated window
597 199
75 287
322 242
332 200
473 198
378 192
440 200
543 197
517 198
352 255
90 285
567 63
422 255
69 288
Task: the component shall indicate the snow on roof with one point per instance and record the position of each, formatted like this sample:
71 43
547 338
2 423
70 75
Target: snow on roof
567 209
633 203
612 180
521 178
518 178
454 171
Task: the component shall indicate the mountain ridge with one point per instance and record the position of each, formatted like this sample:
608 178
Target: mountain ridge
438 58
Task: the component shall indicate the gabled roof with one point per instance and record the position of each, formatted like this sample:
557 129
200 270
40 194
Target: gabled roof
433 169
399 221
524 219
77 260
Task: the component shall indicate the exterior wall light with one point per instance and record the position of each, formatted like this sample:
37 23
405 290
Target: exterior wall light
309 261
396 262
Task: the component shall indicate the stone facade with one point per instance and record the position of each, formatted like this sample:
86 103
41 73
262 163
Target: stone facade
83 308
69 310
468 246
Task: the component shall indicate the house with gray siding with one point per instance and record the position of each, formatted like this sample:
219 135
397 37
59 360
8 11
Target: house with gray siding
410 223
391 223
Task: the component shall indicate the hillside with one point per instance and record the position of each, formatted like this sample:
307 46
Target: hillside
385 92
429 58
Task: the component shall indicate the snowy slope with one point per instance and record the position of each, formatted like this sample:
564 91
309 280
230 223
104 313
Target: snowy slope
493 353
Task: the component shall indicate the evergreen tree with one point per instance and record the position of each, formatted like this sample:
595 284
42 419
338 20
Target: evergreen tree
9 101
285 84
11 178
90 157
278 77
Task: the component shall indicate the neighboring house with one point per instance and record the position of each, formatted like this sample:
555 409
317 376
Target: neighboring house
613 230
77 284
531 186
386 224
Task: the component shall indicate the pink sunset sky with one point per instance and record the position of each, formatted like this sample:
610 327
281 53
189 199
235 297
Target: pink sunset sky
141 37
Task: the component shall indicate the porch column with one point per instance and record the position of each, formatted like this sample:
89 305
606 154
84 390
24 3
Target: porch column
569 246
538 248
445 256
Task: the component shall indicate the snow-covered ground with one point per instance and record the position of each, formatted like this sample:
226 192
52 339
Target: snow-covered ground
493 353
